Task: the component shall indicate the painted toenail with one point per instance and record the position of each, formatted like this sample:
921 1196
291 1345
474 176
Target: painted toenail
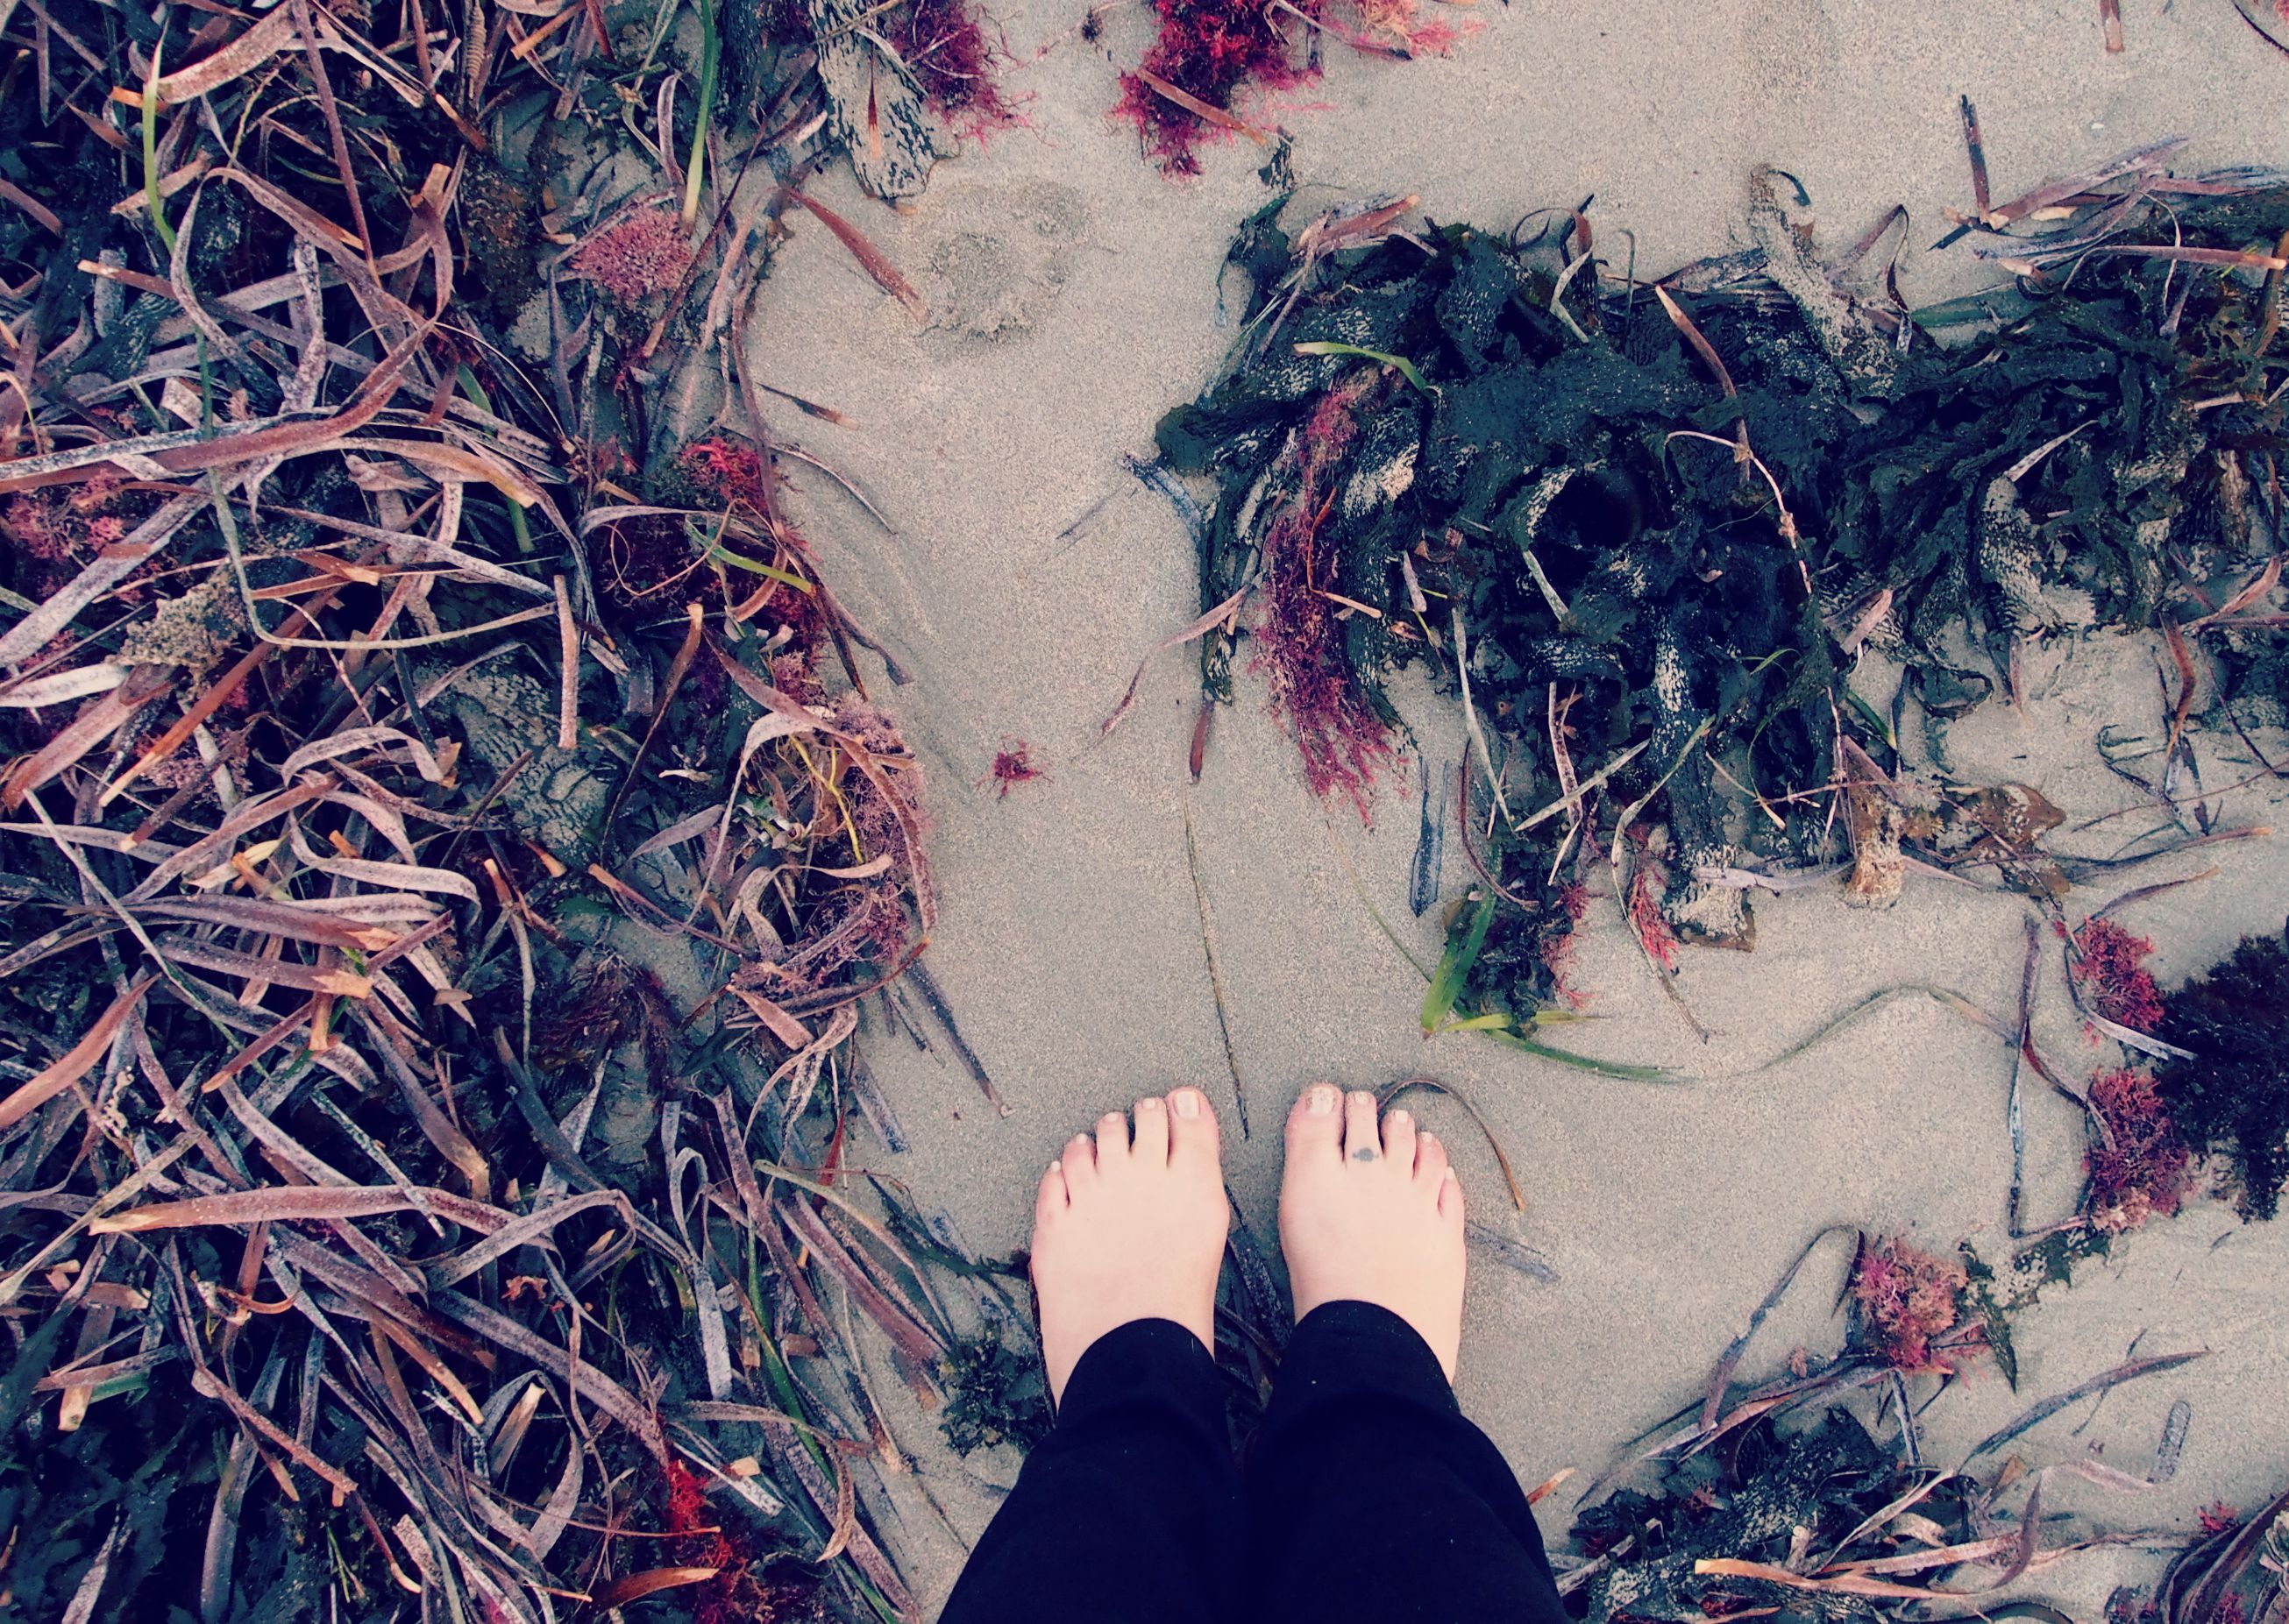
1322 1103
1188 1105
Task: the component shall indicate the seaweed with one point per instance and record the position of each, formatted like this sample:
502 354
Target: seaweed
996 1394
2139 1165
1642 536
2228 1094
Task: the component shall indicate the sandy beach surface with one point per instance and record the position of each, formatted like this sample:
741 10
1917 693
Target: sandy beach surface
1073 297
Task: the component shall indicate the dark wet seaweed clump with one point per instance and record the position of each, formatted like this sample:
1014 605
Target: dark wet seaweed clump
2232 1097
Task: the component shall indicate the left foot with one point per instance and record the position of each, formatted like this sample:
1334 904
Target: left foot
1129 1227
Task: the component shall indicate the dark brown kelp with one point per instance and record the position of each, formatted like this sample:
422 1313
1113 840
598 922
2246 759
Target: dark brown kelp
1644 534
2228 1089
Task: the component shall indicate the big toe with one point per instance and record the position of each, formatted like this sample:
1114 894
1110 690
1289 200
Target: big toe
1193 1137
1315 1125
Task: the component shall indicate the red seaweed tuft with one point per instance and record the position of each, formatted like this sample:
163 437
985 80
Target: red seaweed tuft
727 471
644 254
1013 765
1651 924
2147 1169
1908 1301
1214 52
943 44
2110 970
1343 741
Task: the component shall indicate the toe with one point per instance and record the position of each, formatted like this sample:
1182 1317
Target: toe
1112 1142
1078 1164
1192 1134
1398 1139
1052 1199
1151 1145
1430 1162
1362 1133
1450 1199
1315 1125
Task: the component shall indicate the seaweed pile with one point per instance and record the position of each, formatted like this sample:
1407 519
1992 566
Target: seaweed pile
1645 533
1798 1496
2227 1086
448 835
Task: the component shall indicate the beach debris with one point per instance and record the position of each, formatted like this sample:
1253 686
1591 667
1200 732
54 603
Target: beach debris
2232 1570
997 1393
2139 1165
1207 56
2228 1094
1906 1302
1738 1507
1013 765
451 839
1642 534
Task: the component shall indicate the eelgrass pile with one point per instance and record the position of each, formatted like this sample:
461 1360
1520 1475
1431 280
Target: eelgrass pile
451 827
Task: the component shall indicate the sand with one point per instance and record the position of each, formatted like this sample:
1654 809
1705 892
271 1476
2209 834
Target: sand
1075 298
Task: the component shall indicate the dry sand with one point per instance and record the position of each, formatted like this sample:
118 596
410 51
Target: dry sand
1075 298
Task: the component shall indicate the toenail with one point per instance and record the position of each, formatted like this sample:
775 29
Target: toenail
1057 1166
1188 1105
1322 1103
1429 1137
1399 1119
1152 1104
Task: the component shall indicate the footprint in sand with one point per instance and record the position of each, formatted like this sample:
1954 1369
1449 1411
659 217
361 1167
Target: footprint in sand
991 286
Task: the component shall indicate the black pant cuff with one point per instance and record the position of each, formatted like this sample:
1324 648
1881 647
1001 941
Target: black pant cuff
1146 1356
1349 1348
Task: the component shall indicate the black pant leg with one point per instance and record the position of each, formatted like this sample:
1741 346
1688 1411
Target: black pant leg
1372 1499
1130 1512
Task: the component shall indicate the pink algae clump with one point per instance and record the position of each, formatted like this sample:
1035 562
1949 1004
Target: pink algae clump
2110 970
644 254
1651 924
943 45
1908 1299
2144 1168
1213 50
1342 739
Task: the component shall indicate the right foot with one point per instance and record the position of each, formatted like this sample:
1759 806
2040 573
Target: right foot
1372 1214
1129 1227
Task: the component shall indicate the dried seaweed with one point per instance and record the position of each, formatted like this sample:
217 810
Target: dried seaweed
1651 534
1786 1498
451 837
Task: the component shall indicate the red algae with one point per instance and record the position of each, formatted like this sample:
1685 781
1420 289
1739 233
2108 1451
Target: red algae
1013 765
1651 924
1908 1301
1343 740
2109 971
1216 51
645 253
2146 1167
943 44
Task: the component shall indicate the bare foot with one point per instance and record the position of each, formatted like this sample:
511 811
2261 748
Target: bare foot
1130 1228
1372 1217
